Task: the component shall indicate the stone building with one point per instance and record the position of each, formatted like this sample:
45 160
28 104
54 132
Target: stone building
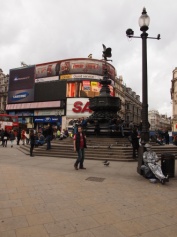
4 80
120 92
158 121
174 100
133 107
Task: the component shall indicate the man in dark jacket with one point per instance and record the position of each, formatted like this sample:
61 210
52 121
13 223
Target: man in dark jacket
79 146
18 136
49 136
135 141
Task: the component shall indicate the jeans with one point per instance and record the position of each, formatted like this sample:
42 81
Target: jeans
48 139
31 149
80 158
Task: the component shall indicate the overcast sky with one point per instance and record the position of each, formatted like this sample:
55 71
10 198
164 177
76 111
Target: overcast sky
37 31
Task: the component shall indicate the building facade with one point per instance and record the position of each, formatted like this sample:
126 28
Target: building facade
133 107
158 121
174 100
4 82
58 92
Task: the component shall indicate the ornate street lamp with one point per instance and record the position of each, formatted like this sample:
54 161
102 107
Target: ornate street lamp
144 21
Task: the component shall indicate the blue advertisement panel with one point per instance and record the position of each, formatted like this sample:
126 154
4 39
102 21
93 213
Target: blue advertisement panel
21 85
20 96
47 119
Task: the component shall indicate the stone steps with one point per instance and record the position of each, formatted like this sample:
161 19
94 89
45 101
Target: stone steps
112 149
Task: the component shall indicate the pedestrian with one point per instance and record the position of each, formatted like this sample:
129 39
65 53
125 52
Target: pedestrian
27 136
2 135
135 142
32 141
97 128
79 146
167 137
131 125
49 136
5 138
23 138
11 137
120 125
18 136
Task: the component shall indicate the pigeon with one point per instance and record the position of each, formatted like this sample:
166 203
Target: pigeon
105 161
107 164
109 147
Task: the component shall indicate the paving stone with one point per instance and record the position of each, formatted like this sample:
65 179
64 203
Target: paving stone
39 218
10 233
13 223
23 210
33 231
5 213
46 197
59 228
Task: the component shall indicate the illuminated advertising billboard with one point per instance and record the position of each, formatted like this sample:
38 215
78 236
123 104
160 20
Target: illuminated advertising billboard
21 85
86 66
47 72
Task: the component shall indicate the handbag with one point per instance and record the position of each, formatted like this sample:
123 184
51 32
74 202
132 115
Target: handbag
5 138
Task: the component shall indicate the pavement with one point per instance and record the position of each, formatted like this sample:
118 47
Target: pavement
47 197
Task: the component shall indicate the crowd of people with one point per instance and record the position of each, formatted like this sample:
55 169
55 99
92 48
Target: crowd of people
32 137
7 135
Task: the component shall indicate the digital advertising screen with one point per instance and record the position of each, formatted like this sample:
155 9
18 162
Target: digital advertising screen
21 85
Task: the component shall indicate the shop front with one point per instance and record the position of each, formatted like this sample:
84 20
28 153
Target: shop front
48 116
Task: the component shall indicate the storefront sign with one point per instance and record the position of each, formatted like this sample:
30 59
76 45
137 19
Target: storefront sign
55 112
80 76
78 107
45 79
46 119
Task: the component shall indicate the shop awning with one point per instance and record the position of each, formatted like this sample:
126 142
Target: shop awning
36 105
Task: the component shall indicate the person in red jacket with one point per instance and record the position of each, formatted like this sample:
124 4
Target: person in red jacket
23 136
79 146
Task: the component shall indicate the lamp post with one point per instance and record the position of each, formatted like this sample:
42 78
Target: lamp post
144 21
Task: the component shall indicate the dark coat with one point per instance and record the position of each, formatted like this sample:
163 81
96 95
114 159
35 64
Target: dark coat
135 139
32 139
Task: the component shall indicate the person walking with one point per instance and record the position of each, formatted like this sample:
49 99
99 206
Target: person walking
32 141
5 138
18 136
2 136
23 138
79 146
11 137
